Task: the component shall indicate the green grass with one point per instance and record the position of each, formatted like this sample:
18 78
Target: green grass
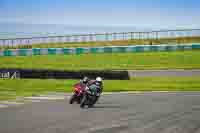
10 89
117 61
174 40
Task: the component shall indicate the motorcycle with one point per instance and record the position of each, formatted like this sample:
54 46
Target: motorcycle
89 97
78 94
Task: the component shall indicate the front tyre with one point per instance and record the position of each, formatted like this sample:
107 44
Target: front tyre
71 101
83 101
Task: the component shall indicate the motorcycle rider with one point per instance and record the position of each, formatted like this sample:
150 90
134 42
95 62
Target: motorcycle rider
99 86
87 82
84 82
98 82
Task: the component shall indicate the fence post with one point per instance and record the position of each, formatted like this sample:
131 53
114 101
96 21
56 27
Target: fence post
12 43
91 38
156 35
106 36
132 35
114 36
4 43
67 39
139 35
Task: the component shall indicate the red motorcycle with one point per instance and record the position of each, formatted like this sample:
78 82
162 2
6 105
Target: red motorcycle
78 93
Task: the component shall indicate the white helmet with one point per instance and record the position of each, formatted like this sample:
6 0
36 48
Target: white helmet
99 79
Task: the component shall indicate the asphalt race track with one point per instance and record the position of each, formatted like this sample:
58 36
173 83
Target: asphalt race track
163 73
117 113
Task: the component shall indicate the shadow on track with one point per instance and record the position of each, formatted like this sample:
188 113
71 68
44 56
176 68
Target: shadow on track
107 106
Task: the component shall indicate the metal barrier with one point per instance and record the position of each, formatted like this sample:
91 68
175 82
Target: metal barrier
155 35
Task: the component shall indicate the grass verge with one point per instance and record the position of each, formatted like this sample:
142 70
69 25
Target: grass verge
107 61
10 89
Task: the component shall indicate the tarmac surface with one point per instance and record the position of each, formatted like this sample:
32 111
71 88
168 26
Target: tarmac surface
164 73
114 113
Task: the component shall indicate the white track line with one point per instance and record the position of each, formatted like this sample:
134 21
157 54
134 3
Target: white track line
3 106
129 92
11 103
32 101
46 98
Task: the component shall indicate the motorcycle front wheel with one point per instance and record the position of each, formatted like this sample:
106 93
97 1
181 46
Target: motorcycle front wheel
83 101
73 97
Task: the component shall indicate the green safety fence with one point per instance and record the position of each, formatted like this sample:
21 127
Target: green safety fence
111 49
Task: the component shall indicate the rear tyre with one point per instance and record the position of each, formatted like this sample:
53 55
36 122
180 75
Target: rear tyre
90 105
79 100
92 101
96 99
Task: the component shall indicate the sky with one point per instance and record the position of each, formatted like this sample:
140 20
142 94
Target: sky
137 13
